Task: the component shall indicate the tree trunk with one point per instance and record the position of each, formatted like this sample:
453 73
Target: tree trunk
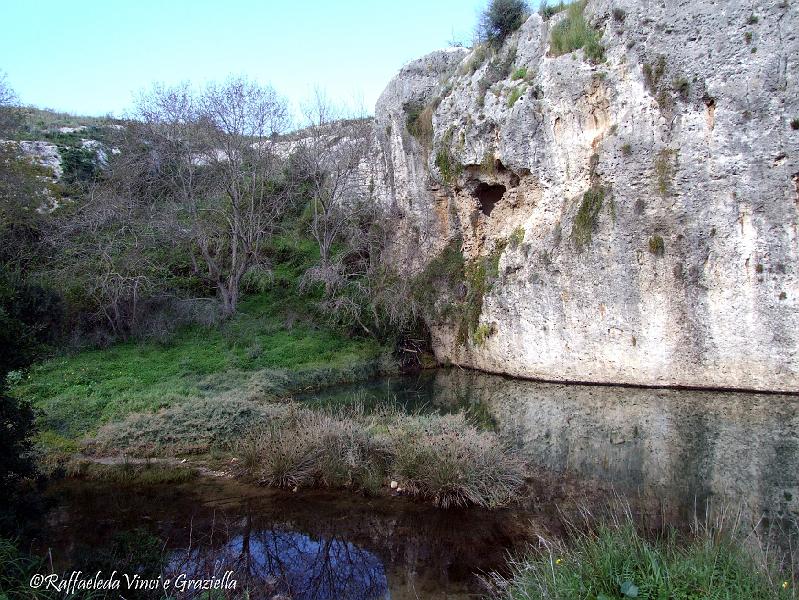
229 299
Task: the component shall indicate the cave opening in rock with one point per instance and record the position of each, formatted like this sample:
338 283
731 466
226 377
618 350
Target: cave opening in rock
488 194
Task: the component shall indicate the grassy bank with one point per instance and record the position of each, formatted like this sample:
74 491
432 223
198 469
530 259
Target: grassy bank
256 350
613 559
275 345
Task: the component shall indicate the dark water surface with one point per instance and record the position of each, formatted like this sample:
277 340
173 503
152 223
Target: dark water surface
673 453
309 545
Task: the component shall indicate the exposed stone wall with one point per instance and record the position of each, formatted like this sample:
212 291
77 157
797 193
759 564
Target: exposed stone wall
683 270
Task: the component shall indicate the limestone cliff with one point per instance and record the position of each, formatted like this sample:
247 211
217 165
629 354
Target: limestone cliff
636 216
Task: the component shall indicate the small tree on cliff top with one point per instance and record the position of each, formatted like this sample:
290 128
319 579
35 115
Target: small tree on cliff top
501 18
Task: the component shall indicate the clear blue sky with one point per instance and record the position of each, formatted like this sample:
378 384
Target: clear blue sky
91 57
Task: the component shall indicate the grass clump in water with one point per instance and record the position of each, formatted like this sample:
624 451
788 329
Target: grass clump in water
129 473
574 32
614 560
193 427
442 458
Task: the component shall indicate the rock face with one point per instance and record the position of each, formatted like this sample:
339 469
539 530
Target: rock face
640 214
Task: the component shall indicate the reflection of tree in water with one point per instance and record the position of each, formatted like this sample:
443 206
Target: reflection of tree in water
278 559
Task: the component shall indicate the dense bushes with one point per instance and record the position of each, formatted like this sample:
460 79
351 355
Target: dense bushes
24 326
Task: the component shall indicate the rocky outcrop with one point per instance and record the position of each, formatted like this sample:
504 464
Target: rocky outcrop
640 214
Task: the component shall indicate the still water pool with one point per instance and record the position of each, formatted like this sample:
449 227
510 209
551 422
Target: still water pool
671 453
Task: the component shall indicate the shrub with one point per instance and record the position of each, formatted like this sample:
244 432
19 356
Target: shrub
683 87
500 19
753 19
795 124
653 73
517 237
479 55
587 218
80 165
619 15
547 10
627 149
574 32
482 333
444 273
519 73
657 246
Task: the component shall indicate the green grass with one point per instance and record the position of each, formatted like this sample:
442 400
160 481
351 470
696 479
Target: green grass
574 32
480 275
616 561
447 164
272 340
520 73
515 94
16 570
587 218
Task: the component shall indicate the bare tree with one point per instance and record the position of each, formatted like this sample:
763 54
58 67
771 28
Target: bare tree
332 154
105 246
211 154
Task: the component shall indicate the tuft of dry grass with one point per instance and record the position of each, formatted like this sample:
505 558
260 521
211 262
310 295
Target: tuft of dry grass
442 458
448 461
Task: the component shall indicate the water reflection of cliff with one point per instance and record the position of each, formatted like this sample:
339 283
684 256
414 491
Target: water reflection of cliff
680 447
